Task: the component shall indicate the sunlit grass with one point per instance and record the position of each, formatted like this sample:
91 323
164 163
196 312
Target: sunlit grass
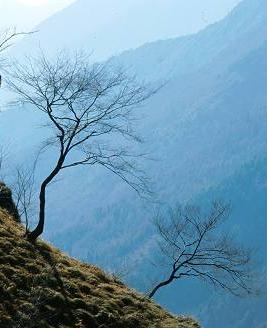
41 284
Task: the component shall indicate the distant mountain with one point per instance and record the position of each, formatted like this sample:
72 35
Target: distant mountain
206 128
107 27
224 42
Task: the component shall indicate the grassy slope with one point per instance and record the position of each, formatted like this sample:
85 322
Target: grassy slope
42 287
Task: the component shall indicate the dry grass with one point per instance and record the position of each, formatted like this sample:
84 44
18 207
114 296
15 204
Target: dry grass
42 287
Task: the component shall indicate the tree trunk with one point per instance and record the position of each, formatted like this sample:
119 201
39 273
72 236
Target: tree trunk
32 236
162 284
40 227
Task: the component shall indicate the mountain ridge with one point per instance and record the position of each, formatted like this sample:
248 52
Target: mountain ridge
106 27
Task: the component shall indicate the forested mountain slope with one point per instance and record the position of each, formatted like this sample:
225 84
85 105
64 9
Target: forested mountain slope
247 190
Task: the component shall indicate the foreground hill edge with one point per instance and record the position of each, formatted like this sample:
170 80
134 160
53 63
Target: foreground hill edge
40 283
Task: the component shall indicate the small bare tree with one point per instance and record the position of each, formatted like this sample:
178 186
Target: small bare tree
194 246
90 110
2 157
23 191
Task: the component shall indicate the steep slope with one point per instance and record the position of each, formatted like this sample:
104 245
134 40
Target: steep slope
41 284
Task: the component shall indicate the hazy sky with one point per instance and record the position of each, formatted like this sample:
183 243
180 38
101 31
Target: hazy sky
25 14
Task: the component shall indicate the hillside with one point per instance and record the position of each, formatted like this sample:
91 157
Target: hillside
40 283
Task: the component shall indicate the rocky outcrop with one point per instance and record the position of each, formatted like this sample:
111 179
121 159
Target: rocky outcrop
7 203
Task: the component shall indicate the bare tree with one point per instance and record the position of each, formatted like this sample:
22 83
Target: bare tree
23 191
194 246
6 41
2 157
90 110
7 36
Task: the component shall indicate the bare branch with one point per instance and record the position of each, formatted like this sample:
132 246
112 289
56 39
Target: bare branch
6 39
196 246
89 108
